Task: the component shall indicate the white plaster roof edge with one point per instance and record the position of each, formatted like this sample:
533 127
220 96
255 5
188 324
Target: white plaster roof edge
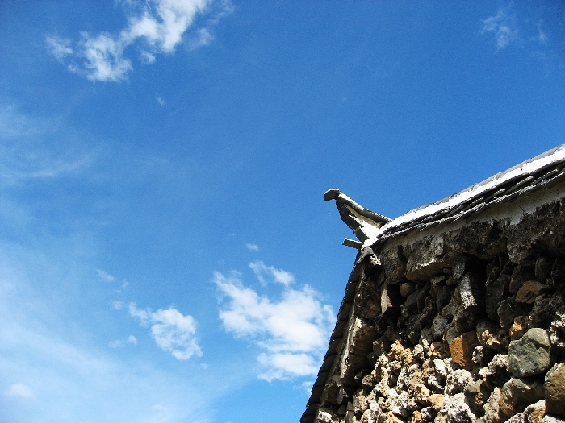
529 166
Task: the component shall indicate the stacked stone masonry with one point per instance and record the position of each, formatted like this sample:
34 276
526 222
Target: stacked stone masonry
456 316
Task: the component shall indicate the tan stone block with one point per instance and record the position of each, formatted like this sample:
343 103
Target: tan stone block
389 418
416 417
529 291
555 390
534 412
462 347
436 401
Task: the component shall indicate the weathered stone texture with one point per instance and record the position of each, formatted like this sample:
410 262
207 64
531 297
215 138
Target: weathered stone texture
462 348
458 317
529 356
555 390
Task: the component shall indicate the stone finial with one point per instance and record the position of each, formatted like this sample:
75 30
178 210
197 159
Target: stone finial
331 194
363 222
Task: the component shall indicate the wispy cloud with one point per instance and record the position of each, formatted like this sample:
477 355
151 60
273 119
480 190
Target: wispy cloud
19 390
60 48
542 36
263 271
104 276
14 124
158 25
205 35
50 348
172 331
502 26
292 332
85 383
26 152
118 343
532 28
252 247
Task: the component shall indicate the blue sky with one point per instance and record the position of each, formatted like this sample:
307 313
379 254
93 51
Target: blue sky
165 253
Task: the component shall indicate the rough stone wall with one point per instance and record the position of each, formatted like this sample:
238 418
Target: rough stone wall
463 322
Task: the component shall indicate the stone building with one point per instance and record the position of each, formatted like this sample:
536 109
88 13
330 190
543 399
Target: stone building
454 312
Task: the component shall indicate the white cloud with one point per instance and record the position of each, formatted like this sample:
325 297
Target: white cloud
59 47
19 390
104 59
116 343
204 36
105 276
118 305
307 386
542 36
292 332
171 330
279 366
72 377
88 386
158 24
252 247
121 342
503 26
147 58
262 271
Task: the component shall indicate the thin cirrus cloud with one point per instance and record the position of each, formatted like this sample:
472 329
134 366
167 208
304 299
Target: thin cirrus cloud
291 332
19 390
172 331
118 343
27 153
264 272
158 25
84 382
104 275
502 26
252 247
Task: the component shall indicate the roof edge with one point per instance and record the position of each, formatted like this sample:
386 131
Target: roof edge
522 170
